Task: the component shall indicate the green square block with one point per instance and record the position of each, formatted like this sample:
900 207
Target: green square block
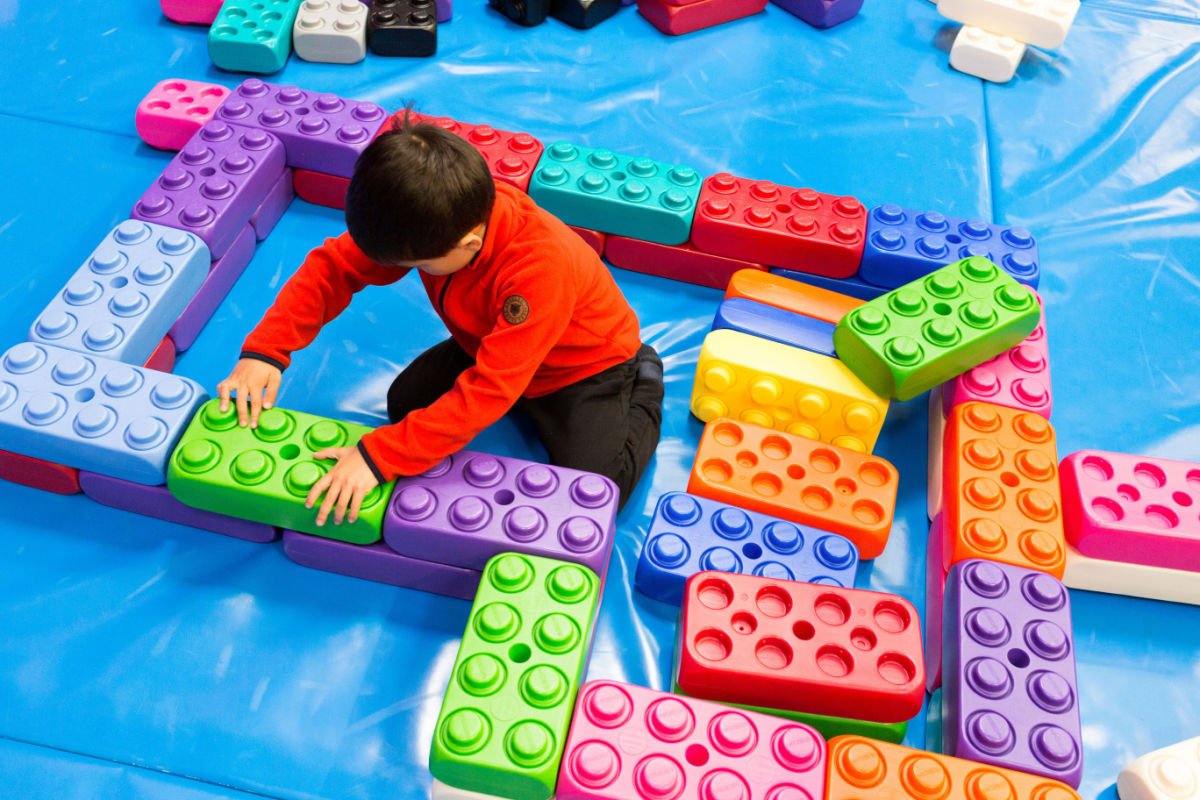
935 328
635 197
507 709
264 474
253 35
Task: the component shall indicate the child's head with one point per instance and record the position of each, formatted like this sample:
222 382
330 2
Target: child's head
419 194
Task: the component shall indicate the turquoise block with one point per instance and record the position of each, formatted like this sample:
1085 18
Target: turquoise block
253 35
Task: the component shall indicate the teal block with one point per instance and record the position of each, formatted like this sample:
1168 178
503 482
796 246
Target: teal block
253 35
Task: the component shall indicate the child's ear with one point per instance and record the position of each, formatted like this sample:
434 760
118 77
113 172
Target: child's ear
473 241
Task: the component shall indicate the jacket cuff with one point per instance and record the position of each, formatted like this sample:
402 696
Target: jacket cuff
362 449
274 362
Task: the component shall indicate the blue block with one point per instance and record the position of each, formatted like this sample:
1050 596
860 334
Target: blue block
776 324
93 413
853 286
128 294
692 534
904 245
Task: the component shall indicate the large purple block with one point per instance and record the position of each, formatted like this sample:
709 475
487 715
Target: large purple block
472 506
213 186
157 502
321 132
377 562
223 273
822 13
277 201
1008 671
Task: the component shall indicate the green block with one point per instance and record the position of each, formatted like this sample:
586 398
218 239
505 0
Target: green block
253 35
636 197
265 473
506 712
935 328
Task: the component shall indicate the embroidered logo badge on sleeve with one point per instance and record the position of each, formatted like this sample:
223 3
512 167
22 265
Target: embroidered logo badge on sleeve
516 309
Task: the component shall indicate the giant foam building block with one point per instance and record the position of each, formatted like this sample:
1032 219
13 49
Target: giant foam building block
793 228
264 474
853 286
213 186
321 188
1041 23
789 295
440 791
511 157
691 534
774 385
686 748
1001 491
320 132
198 12
402 27
273 206
331 31
503 722
1009 694
1169 773
635 197
990 56
1131 580
37 473
92 413
931 330
798 479
584 14
822 13
175 109
935 602
124 298
776 324
253 35
527 13
472 506
594 239
681 262
222 275
801 646
676 20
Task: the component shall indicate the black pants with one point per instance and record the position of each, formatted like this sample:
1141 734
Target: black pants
608 424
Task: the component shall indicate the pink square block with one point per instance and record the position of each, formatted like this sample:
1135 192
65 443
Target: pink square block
175 109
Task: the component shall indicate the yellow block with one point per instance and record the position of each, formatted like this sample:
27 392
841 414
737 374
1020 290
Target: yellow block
778 386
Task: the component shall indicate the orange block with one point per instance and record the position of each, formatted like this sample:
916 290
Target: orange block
866 769
790 295
798 479
1002 498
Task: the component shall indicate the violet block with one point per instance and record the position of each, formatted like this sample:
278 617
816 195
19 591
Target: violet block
157 502
822 13
223 273
276 202
377 562
472 506
1009 694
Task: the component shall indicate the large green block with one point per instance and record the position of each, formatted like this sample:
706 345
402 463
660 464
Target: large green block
935 328
264 474
507 709
253 35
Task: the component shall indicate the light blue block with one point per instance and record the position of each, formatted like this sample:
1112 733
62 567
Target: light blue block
776 324
127 295
93 413
253 35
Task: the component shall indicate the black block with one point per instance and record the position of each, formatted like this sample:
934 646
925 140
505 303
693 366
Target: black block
523 12
583 13
402 28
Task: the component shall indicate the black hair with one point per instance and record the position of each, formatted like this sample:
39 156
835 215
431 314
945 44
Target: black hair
417 191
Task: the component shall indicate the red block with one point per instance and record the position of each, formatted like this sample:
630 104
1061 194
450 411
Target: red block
674 20
163 357
677 262
595 239
320 188
38 474
797 646
510 156
798 229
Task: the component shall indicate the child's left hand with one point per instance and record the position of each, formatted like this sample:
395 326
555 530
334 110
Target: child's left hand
345 486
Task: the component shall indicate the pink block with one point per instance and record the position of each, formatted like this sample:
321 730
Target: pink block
1017 378
595 239
1132 509
175 109
38 474
194 12
935 594
320 188
677 262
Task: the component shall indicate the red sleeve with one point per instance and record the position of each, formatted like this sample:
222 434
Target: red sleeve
508 356
318 291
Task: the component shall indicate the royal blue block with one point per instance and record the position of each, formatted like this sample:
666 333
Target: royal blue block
691 534
854 286
128 294
93 413
904 245
776 324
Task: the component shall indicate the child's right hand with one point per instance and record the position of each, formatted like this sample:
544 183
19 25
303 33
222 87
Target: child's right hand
250 379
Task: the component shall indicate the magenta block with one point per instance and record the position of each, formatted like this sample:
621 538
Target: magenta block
377 562
214 184
198 12
271 211
822 13
157 502
175 109
223 273
320 132
1009 693
473 506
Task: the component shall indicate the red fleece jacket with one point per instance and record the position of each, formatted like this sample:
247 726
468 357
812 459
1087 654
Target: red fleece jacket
577 324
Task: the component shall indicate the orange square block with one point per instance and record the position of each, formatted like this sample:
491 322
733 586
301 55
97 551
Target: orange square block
1001 495
798 479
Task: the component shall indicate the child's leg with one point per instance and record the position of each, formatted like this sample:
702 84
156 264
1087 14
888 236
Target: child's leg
428 377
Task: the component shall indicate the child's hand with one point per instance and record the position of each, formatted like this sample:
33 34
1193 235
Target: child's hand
250 379
345 486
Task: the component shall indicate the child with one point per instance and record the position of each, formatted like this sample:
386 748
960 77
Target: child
536 322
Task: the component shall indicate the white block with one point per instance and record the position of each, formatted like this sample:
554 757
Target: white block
1172 773
1132 580
331 31
985 54
441 791
1041 23
937 434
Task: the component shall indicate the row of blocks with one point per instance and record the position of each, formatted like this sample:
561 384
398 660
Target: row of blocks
995 33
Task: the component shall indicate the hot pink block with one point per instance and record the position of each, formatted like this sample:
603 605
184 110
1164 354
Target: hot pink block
1133 509
198 12
175 109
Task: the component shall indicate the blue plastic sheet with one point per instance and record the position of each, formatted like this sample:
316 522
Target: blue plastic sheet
131 647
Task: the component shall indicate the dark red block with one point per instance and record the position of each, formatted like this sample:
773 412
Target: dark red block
677 262
38 474
320 188
595 239
674 20
163 357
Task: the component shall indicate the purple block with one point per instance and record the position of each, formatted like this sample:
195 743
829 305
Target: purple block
821 13
321 132
377 562
157 502
271 211
472 506
1008 671
445 9
223 273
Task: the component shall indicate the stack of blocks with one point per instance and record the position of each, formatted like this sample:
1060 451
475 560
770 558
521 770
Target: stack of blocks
995 33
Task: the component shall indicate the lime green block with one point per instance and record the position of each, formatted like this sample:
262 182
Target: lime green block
253 35
926 332
264 474
508 706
